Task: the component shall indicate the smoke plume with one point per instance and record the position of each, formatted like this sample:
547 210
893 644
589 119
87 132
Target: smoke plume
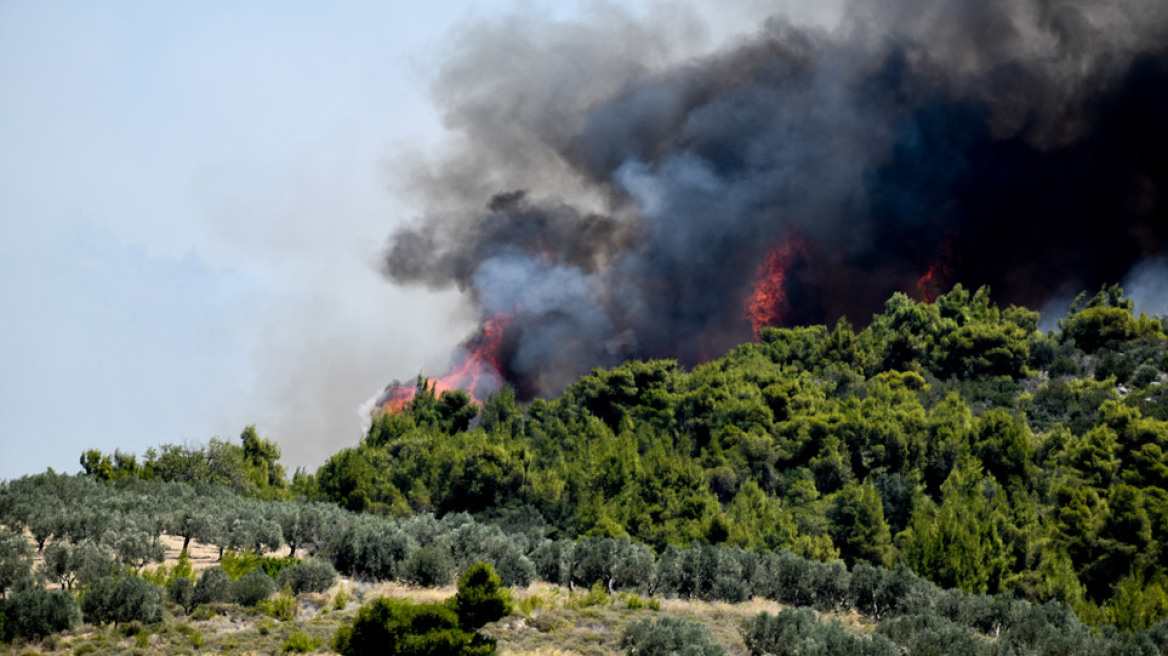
616 200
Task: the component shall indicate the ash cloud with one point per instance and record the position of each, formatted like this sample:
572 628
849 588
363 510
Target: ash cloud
1021 144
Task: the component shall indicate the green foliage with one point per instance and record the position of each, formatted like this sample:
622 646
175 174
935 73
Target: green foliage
181 591
669 636
1138 604
15 558
164 576
309 576
926 634
397 626
960 543
371 550
238 564
480 599
299 642
281 607
250 468
858 527
35 613
252 588
515 569
636 602
951 437
1098 326
213 586
121 600
798 631
429 566
341 600
194 637
265 476
597 595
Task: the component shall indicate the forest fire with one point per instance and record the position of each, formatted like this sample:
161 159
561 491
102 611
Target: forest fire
477 369
935 281
904 163
768 302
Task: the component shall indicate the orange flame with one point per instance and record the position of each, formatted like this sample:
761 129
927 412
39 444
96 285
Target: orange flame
933 283
396 398
768 302
478 365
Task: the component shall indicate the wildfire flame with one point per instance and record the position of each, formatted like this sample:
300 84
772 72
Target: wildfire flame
768 302
934 282
476 369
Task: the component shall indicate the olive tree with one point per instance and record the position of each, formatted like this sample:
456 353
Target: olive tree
15 558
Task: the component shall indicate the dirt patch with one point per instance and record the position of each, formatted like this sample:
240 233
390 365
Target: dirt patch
202 556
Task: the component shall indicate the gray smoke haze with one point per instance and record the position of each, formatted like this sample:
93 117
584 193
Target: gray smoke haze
616 194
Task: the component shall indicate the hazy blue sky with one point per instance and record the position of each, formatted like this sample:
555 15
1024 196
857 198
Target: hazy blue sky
192 196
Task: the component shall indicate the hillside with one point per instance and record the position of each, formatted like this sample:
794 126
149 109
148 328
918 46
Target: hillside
947 473
952 437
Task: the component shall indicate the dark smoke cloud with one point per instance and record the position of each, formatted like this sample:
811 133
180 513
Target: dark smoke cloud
618 199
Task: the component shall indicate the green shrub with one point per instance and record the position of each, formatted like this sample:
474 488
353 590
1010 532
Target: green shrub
730 589
195 638
308 576
398 626
670 636
213 587
925 634
530 603
252 588
428 566
35 613
341 601
1064 365
636 602
238 564
1145 375
282 607
300 643
372 550
597 595
515 569
798 631
129 629
480 599
181 591
15 558
119 600
165 576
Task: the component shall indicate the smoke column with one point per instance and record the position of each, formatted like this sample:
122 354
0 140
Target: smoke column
616 201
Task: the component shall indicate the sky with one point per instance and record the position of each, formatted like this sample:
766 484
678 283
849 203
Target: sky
193 197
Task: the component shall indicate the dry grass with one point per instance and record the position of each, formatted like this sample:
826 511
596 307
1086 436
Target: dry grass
555 624
549 630
541 651
413 593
